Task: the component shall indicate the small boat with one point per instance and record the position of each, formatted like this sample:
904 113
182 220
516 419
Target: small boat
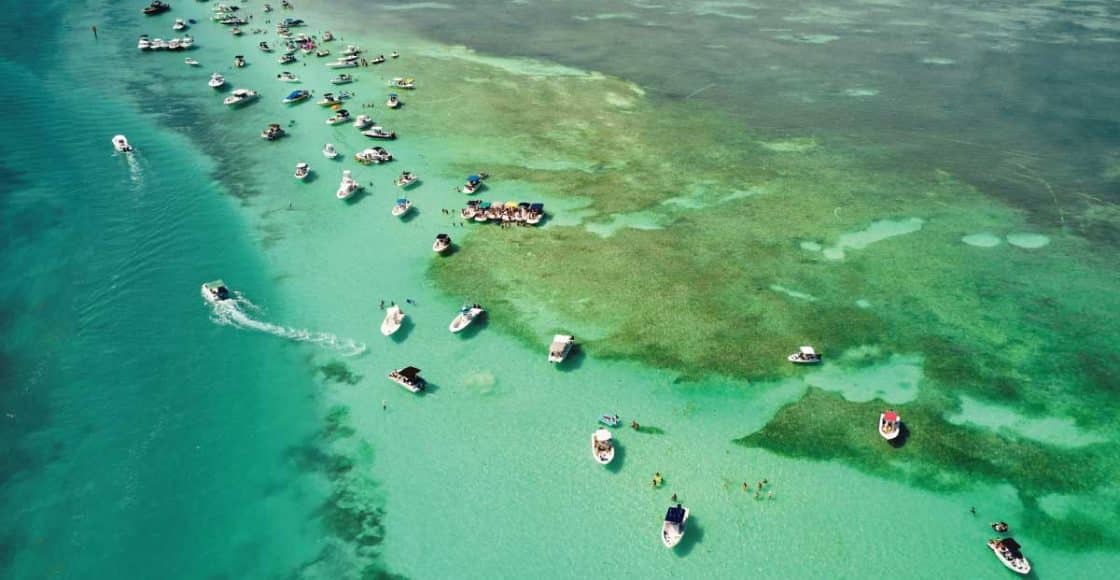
239 61
672 530
362 121
235 31
342 79
393 101
322 52
120 143
401 207
303 169
805 356
342 63
156 7
560 347
329 100
327 36
144 43
889 425
287 77
348 187
409 378
174 44
482 212
268 7
1000 527
215 291
180 24
286 59
377 59
602 446
403 83
340 116
289 21
406 179
535 214
394 317
442 243
395 54
610 420
375 155
467 314
192 62
296 96
379 132
474 182
273 132
158 44
329 151
217 81
186 42
1007 550
239 97
351 50
264 47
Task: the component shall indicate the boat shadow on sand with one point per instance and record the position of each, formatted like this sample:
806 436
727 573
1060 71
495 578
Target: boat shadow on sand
430 388
619 458
573 361
402 333
903 435
411 215
694 534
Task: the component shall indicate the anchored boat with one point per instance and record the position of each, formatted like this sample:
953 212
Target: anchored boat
467 315
560 347
672 530
394 317
409 378
805 356
1007 550
602 446
889 425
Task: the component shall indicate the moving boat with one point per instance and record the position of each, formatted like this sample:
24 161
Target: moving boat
466 316
287 77
409 378
351 51
239 61
379 132
602 446
442 243
401 207
273 132
1007 550
340 116
393 101
403 83
192 62
296 96
672 530
362 121
889 425
264 46
156 7
180 24
120 143
406 179
186 42
805 356
303 169
217 81
560 347
215 291
348 186
394 317
329 151
474 182
375 155
239 97
342 79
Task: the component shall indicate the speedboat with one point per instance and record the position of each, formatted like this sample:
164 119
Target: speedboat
362 121
327 36
192 62
889 425
351 50
180 24
602 446
401 207
403 83
287 77
409 378
144 43
394 317
377 59
379 132
329 100
340 116
474 182
215 291
1007 550
393 101
560 347
342 63
406 179
302 170
442 243
286 59
121 144
329 151
805 356
156 7
395 54
610 419
348 186
264 47
273 132
239 61
376 155
296 96
534 214
672 530
342 79
322 52
216 81
467 315
267 7
239 97
186 42
235 31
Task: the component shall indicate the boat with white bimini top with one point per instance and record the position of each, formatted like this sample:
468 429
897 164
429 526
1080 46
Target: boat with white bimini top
191 62
560 347
120 143
889 424
342 79
263 45
215 291
401 207
340 116
239 61
303 169
348 186
394 318
287 77
239 97
217 81
672 530
406 179
602 446
409 378
329 151
362 121
467 315
805 356
1007 550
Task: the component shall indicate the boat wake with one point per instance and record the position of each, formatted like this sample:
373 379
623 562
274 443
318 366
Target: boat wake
235 312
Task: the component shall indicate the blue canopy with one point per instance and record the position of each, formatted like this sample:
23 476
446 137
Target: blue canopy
473 178
401 201
536 206
484 205
295 94
392 95
675 514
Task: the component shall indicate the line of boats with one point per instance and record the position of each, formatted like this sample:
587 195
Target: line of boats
497 212
147 43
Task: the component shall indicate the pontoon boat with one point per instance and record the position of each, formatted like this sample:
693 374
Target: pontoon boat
409 378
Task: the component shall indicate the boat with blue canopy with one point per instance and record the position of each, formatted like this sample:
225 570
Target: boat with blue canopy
297 96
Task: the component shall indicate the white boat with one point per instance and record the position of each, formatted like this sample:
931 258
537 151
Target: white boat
403 83
395 54
329 151
409 378
192 62
377 59
180 24
474 182
805 356
217 81
351 50
322 52
342 79
362 121
159 44
401 207
1007 550
560 347
342 63
144 43
303 169
263 45
889 425
239 61
379 132
394 317
340 116
273 132
327 36
286 59
287 77
672 530
602 446
296 96
215 291
466 316
235 31
393 101
120 143
406 179
174 44
376 155
348 186
442 243
330 100
239 97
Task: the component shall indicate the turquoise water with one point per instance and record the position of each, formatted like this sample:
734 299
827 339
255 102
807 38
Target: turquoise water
147 435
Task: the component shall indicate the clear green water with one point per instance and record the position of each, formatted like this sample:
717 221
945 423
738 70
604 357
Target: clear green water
149 441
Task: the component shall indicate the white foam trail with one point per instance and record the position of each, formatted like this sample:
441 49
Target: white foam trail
232 312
